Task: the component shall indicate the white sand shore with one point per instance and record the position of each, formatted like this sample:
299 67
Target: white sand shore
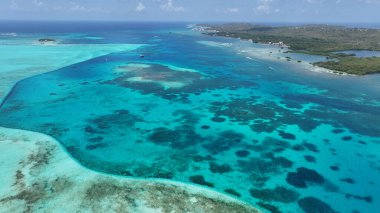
37 175
269 53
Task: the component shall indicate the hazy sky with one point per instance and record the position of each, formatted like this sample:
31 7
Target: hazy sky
194 10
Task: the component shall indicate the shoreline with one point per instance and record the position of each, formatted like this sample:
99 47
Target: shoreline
271 54
334 62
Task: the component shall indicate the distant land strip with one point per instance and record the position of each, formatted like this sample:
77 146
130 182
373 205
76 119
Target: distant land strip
324 40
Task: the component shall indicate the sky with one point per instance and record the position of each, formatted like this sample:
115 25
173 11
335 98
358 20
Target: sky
303 11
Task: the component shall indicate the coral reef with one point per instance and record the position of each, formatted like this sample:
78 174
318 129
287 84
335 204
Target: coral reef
41 177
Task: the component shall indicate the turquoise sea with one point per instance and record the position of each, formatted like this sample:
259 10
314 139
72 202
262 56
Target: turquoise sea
267 132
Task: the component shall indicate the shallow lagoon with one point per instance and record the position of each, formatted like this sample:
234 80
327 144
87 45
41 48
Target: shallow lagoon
21 55
264 131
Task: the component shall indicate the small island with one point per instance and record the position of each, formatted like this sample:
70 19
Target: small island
46 41
324 40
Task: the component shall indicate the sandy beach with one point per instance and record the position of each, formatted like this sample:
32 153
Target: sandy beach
269 53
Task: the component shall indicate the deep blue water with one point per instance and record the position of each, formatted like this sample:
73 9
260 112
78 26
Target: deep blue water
266 132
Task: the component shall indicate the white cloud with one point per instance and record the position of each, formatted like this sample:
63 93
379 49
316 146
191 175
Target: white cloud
316 1
77 7
140 7
264 6
169 6
14 5
49 6
370 1
38 3
233 10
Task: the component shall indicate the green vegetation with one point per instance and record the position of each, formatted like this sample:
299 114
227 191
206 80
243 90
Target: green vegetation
318 39
315 40
352 65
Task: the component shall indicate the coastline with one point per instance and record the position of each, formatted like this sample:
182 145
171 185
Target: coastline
271 53
310 40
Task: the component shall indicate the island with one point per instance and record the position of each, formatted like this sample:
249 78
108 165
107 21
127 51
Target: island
46 41
324 40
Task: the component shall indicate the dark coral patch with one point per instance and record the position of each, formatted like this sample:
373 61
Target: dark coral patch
220 168
279 161
117 119
91 130
205 127
310 158
305 123
218 119
304 175
161 174
232 136
163 135
271 144
260 169
311 147
96 139
266 165
244 110
278 194
126 173
367 199
292 104
169 96
242 153
232 192
225 141
96 146
337 131
314 205
285 135
284 162
199 179
52 129
269 207
298 147
200 158
334 168
330 187
347 138
348 180
180 138
263 127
